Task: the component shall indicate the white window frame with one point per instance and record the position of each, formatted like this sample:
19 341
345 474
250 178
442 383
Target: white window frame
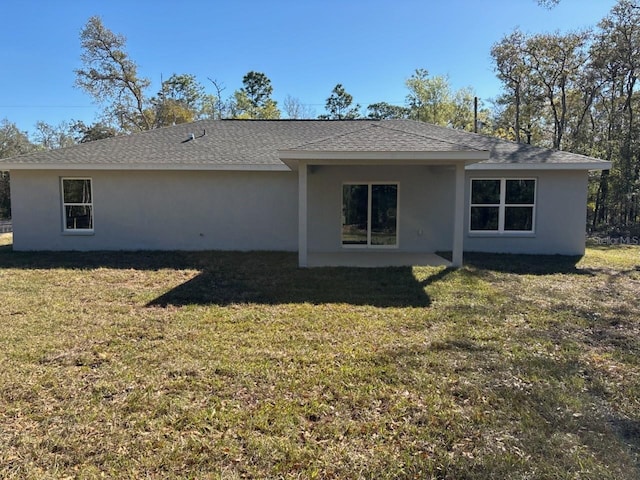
502 207
76 231
368 245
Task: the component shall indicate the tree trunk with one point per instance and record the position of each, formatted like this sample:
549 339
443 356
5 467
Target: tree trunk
600 211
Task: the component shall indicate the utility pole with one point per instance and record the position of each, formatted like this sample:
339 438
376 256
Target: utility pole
475 114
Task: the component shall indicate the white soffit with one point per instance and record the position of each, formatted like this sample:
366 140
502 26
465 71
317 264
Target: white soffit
541 166
147 167
293 157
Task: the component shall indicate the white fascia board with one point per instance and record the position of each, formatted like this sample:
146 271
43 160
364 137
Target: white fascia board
145 166
541 166
293 157
476 156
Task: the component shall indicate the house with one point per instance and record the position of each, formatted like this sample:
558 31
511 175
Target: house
352 192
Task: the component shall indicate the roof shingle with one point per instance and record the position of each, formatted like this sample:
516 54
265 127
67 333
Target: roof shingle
255 143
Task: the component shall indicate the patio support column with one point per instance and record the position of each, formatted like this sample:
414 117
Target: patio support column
458 217
302 214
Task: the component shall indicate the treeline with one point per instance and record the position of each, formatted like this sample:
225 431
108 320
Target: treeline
127 104
577 91
572 91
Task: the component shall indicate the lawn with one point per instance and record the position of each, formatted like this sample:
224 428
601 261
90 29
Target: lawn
241 365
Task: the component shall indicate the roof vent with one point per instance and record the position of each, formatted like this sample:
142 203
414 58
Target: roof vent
191 137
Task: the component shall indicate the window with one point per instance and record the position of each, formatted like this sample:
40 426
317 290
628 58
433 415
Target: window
502 205
370 215
77 205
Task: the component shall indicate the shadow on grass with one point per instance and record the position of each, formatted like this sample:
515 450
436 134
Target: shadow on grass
627 430
246 277
526 264
274 278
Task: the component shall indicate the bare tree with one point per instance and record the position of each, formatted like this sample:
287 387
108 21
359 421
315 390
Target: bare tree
220 106
548 3
110 76
295 109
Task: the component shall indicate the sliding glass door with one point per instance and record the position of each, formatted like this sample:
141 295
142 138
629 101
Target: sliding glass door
370 214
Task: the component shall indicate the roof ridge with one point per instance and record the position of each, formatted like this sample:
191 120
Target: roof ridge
301 120
478 136
429 137
339 135
485 137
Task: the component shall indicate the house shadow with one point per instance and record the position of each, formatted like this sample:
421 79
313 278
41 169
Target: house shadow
226 278
628 431
274 278
522 264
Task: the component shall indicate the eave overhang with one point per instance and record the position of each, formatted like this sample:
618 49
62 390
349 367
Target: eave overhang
603 165
291 161
145 166
292 158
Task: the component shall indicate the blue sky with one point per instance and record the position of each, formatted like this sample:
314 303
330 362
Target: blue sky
305 47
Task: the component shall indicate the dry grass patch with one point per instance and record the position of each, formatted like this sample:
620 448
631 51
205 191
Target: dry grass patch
232 365
6 239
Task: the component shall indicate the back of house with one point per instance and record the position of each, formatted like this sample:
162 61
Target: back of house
350 192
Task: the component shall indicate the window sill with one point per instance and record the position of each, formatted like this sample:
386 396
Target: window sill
78 233
369 247
501 234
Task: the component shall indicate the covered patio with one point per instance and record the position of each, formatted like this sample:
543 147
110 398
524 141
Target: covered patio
375 259
365 158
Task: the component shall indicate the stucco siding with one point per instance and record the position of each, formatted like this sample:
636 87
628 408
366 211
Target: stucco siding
136 210
425 205
560 218
218 210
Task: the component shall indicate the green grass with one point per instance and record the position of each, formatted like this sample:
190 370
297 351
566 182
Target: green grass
240 365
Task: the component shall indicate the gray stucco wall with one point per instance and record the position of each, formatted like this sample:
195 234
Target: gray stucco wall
560 223
425 207
135 210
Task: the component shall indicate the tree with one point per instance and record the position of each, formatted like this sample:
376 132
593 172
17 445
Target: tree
579 91
555 61
253 100
219 107
5 195
84 133
462 110
111 77
386 111
432 100
542 76
295 109
429 98
12 142
51 137
181 100
257 88
548 3
338 105
513 69
615 55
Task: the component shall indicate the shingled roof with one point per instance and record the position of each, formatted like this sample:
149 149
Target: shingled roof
383 137
255 145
